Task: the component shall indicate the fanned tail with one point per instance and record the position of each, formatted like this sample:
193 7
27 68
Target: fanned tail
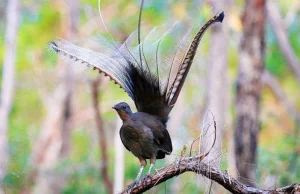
153 87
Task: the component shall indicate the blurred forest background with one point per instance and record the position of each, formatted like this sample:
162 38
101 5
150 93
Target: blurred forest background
59 134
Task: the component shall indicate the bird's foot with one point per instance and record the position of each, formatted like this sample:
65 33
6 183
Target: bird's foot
148 176
133 185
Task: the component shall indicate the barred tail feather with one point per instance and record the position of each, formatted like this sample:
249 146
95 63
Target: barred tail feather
177 84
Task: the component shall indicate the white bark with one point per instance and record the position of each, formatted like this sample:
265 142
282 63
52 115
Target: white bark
45 155
53 147
119 160
8 81
217 84
178 136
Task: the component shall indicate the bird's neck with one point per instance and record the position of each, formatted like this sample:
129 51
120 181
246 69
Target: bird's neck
125 116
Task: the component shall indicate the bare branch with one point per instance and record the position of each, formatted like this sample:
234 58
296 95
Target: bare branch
196 164
292 14
279 28
279 93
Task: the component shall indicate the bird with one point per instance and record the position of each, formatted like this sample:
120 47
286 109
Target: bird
153 91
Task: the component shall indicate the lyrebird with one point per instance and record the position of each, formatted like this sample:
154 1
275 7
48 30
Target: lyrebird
154 93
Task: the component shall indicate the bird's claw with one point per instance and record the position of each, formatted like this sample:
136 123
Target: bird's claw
148 176
133 185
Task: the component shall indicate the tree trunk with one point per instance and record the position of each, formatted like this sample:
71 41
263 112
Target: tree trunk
249 85
119 159
53 146
101 136
217 84
8 81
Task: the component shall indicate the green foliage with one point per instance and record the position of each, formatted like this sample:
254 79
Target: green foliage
280 161
275 61
43 21
85 179
294 35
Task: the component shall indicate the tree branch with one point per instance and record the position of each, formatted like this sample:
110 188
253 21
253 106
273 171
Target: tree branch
279 93
279 28
197 165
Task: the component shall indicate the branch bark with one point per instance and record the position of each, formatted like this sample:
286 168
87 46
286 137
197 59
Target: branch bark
197 165
279 28
102 141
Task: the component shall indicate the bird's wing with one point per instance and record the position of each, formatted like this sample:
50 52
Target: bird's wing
165 142
122 139
160 133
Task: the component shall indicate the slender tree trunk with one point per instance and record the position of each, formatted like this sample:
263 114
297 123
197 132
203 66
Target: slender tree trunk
101 136
74 13
177 117
217 84
119 159
249 85
53 146
8 81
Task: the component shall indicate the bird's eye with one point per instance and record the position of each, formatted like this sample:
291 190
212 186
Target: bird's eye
124 107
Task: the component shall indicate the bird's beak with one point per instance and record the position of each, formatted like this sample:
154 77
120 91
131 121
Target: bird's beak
114 107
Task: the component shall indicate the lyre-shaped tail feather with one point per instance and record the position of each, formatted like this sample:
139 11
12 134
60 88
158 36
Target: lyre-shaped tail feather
182 72
113 67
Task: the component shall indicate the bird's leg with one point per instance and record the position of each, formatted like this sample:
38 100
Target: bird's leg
151 166
139 174
152 163
143 164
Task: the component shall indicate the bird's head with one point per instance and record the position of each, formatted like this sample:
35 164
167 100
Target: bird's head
123 110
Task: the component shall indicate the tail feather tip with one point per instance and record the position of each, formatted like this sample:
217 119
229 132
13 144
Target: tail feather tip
53 45
221 17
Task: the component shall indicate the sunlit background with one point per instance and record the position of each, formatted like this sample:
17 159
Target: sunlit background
51 150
